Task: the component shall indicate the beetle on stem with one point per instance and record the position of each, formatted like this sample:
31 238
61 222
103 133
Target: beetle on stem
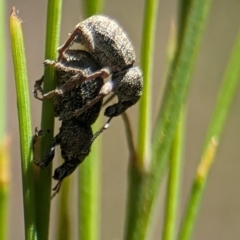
109 46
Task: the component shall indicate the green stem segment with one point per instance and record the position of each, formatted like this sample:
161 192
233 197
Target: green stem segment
24 118
173 190
146 188
197 191
225 99
92 7
226 95
63 230
90 169
43 179
147 54
140 161
4 159
89 191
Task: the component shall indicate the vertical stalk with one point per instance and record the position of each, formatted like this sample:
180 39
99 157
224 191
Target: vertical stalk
173 189
90 169
89 191
64 221
4 158
43 179
24 118
92 7
146 190
197 191
147 54
143 155
225 98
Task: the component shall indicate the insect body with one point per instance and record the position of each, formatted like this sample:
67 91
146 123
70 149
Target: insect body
111 49
107 43
75 136
80 89
75 142
67 100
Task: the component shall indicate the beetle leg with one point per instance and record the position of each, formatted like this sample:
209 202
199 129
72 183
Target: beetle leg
51 94
61 67
38 87
104 127
49 155
81 76
38 134
77 33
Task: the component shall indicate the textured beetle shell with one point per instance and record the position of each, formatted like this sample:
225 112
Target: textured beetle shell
79 96
107 43
75 140
128 83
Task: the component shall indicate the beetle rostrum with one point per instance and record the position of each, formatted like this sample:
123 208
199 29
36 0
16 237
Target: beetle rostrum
111 49
108 53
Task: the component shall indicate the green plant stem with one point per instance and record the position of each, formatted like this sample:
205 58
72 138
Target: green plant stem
226 95
24 118
89 193
90 169
225 99
170 218
146 186
43 181
147 54
197 192
92 7
184 7
4 158
64 222
139 162
171 208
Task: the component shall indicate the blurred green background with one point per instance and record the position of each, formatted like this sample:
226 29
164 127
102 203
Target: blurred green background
219 216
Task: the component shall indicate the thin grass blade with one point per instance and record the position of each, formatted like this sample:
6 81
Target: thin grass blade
4 143
147 55
225 99
64 229
24 118
43 178
174 180
90 169
146 188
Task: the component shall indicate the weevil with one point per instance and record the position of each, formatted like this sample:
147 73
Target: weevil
111 49
108 53
75 135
